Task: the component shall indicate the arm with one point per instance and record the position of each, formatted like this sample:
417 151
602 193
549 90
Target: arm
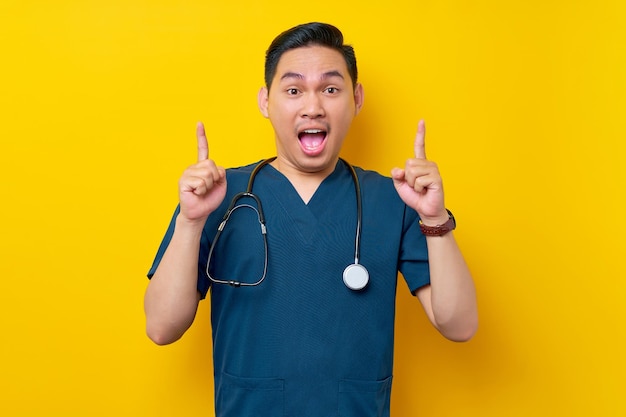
171 299
450 299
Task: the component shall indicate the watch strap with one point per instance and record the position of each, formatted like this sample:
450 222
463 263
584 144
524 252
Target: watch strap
440 229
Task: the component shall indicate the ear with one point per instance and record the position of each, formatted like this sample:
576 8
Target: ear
358 98
263 99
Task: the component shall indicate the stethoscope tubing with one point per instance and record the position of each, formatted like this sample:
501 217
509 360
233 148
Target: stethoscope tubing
361 273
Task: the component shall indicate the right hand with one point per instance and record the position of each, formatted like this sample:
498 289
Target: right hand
202 187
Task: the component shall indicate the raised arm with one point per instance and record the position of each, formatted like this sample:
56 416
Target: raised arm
171 299
450 299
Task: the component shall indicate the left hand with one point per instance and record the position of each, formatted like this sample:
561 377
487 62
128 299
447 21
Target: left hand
419 184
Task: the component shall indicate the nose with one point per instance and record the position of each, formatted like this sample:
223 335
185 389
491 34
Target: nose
312 106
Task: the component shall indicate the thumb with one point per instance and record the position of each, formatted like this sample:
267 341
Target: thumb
397 175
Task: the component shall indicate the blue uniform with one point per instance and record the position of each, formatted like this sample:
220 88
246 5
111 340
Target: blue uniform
301 344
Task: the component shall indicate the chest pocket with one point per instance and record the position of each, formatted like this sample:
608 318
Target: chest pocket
364 398
254 397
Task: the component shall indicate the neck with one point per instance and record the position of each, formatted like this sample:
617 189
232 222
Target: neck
304 181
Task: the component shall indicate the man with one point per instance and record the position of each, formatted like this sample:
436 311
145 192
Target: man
290 336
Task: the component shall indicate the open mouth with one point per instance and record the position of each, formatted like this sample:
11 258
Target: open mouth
312 141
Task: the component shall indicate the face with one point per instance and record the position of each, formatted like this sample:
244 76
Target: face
311 105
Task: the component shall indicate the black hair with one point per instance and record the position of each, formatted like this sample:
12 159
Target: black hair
307 34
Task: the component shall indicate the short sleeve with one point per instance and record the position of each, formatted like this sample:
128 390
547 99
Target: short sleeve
413 262
203 281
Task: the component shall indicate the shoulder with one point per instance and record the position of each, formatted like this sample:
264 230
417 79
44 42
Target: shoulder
240 175
370 175
378 191
373 181
242 170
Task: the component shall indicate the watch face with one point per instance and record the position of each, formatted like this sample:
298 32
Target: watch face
452 220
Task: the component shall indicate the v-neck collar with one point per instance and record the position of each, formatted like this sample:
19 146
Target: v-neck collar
306 217
332 178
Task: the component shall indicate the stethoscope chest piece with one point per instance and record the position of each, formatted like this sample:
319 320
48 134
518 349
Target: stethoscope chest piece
356 277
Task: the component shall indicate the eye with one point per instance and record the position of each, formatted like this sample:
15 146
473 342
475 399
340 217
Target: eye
292 91
332 90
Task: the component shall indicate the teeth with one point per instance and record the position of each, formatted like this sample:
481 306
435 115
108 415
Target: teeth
313 131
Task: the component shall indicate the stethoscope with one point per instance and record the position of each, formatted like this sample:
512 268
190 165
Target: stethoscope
355 276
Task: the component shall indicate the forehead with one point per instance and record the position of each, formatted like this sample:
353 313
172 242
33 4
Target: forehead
311 62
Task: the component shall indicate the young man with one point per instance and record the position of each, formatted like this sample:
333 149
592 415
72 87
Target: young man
294 334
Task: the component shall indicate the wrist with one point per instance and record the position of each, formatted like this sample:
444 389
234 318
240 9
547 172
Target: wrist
438 226
190 225
435 220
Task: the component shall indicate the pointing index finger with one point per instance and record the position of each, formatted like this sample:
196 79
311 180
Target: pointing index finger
203 143
420 141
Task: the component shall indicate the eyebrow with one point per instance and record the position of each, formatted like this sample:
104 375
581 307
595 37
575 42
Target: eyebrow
324 76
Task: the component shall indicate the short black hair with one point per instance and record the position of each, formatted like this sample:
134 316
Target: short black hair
307 34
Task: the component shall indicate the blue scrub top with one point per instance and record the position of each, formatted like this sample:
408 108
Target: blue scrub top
301 343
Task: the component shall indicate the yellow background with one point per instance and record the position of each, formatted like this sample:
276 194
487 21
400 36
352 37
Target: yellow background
524 103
